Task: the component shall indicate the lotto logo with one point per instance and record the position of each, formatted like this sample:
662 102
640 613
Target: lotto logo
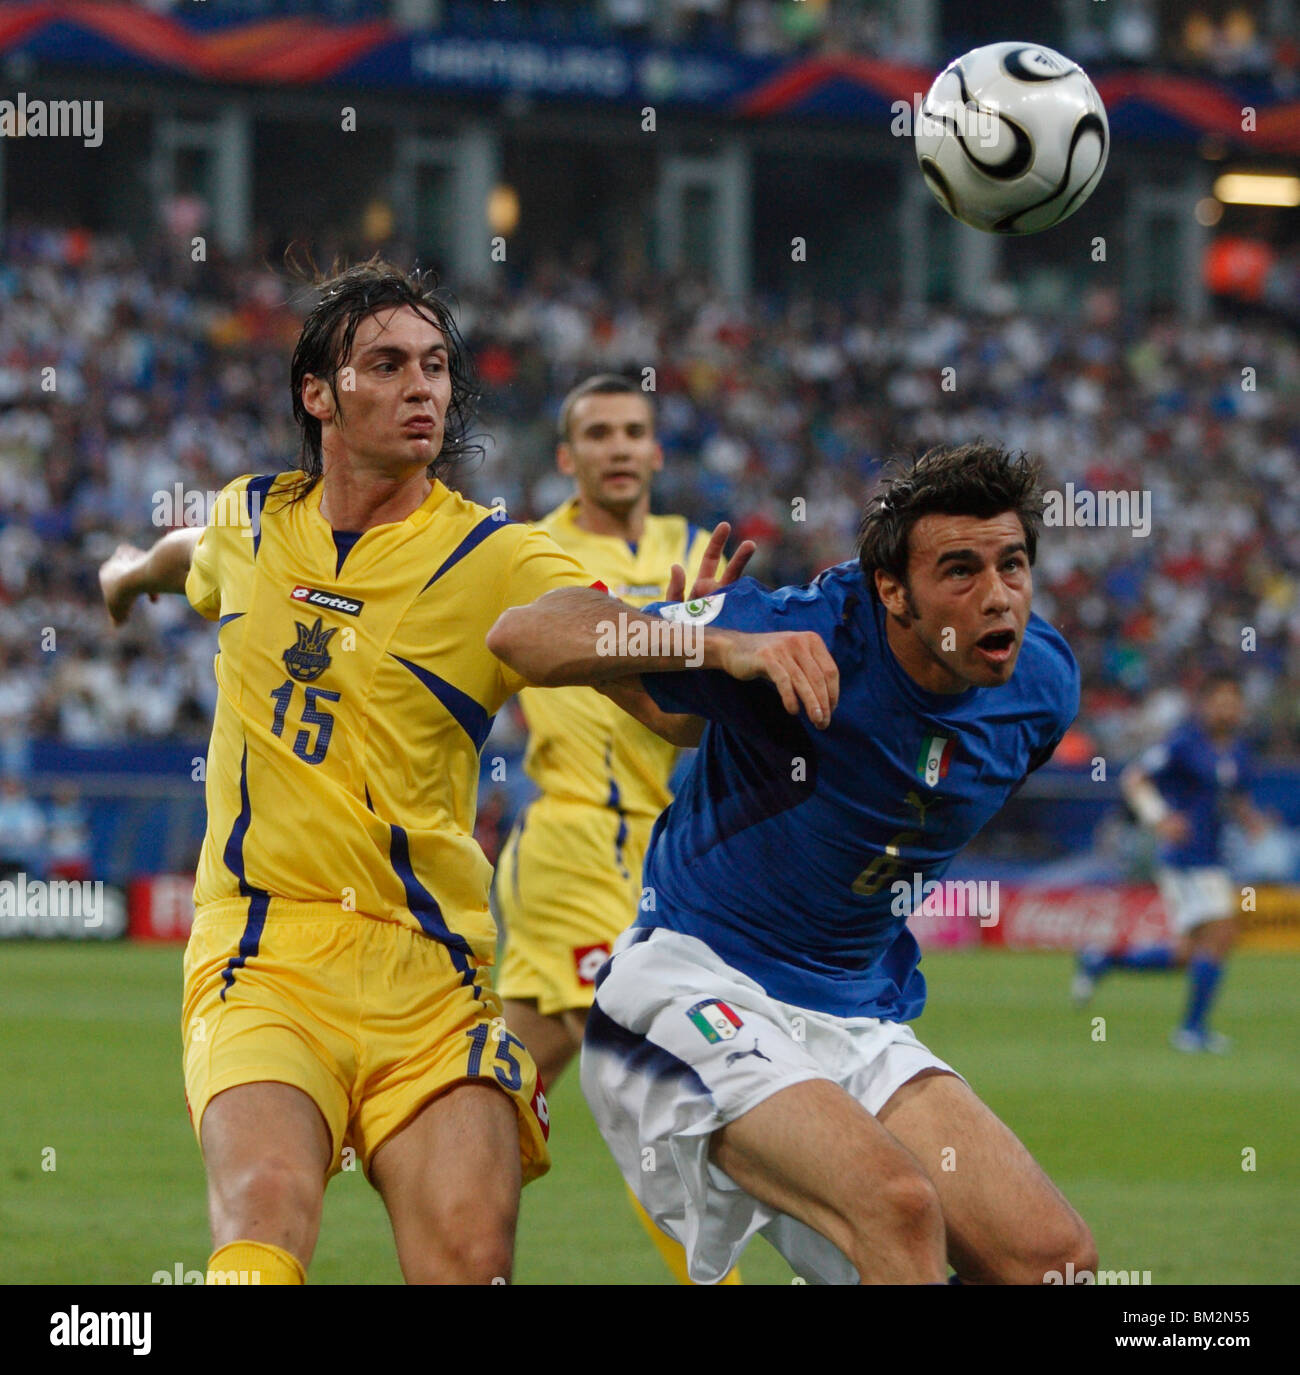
541 1110
329 600
588 960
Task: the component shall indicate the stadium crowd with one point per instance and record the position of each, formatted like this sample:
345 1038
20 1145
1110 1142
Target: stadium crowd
132 388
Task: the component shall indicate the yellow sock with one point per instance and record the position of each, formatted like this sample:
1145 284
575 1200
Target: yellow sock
253 1262
674 1254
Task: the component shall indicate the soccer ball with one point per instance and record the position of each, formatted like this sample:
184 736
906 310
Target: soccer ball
1012 138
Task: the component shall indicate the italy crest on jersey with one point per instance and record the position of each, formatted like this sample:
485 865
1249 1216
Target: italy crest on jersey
310 657
714 1020
935 757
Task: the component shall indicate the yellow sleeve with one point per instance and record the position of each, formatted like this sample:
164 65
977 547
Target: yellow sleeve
539 566
203 581
202 585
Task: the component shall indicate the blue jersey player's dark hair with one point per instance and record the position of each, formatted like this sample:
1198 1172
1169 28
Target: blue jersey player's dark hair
347 296
976 479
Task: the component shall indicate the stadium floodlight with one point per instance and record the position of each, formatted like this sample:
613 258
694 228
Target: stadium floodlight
1257 188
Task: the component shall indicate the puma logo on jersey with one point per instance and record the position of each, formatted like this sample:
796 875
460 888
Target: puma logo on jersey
740 1054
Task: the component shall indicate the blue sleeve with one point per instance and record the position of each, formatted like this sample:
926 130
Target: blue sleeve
1162 760
1247 772
746 606
1065 690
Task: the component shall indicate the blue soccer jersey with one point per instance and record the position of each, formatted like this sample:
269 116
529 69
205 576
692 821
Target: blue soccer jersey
783 845
1193 775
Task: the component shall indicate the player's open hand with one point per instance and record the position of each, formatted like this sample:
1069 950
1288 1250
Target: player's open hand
119 581
708 582
796 662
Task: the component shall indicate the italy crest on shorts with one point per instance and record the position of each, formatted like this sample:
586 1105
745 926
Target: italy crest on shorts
714 1020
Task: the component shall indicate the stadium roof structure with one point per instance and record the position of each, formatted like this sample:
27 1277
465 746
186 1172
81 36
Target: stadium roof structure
297 51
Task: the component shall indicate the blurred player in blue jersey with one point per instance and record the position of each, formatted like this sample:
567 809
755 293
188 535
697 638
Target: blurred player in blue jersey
747 1057
1180 789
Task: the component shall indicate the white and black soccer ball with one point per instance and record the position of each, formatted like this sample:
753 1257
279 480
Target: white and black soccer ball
1012 138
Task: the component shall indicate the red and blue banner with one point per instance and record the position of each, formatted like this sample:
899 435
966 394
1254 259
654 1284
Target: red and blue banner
302 51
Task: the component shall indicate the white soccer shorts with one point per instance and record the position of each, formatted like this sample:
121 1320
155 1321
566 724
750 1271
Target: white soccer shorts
679 1044
1194 896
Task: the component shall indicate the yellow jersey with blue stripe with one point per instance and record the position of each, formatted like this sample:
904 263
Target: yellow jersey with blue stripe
581 747
355 691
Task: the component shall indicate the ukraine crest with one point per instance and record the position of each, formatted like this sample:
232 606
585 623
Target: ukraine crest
310 657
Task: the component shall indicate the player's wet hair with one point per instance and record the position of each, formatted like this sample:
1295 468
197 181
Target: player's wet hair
977 479
346 297
603 384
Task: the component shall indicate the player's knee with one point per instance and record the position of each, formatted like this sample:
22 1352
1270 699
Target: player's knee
911 1209
463 1244
482 1256
1063 1248
272 1191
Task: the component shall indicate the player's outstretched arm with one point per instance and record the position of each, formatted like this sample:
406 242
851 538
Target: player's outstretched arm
580 636
1151 809
129 572
678 728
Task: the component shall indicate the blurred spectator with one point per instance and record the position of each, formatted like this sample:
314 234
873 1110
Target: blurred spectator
22 830
776 415
68 847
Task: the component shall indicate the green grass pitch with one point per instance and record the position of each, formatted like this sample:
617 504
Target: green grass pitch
1147 1143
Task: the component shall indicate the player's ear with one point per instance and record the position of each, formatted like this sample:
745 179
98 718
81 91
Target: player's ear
564 458
894 596
657 463
317 399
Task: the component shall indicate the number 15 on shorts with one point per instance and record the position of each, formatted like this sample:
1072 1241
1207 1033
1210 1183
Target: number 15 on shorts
507 1069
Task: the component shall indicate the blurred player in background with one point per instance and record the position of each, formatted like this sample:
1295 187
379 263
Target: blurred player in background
335 993
569 878
747 1056
1180 789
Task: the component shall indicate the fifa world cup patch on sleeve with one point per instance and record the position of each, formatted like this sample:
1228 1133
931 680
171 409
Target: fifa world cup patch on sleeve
697 611
714 1020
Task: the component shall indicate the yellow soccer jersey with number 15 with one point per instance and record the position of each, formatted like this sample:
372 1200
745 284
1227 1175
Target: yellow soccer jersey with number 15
355 692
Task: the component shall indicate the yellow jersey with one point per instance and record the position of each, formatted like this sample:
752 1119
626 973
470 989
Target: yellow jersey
355 691
581 747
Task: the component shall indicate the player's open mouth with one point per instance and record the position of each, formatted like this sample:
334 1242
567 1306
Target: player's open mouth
997 645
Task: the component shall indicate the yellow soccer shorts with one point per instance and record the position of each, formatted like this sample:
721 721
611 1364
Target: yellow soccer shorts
369 1018
568 883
